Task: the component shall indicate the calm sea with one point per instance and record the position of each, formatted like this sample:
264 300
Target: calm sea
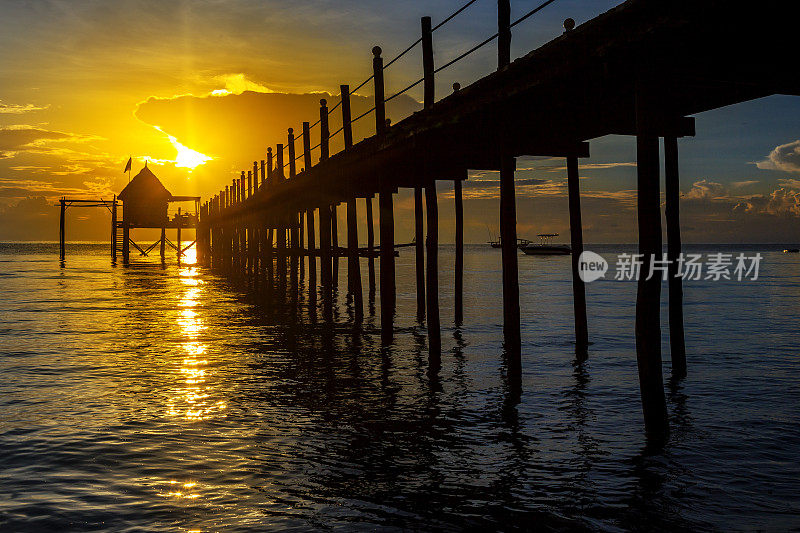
152 398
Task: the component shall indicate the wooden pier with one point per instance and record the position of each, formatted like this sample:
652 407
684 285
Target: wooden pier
640 69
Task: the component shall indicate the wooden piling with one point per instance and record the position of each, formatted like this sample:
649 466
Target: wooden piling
508 238
353 262
386 211
672 197
324 211
178 236
458 297
293 229
312 259
61 232
508 219
114 229
432 264
419 249
126 237
370 247
648 308
388 298
576 241
163 244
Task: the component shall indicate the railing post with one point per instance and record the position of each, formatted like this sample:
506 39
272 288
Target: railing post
279 162
380 104
429 91
270 179
263 173
504 30
249 183
255 176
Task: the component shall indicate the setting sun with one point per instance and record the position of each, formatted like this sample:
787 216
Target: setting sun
187 158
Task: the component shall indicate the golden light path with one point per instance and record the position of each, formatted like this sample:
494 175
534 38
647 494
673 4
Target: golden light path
193 394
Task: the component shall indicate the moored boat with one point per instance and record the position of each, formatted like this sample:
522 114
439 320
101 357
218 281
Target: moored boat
545 247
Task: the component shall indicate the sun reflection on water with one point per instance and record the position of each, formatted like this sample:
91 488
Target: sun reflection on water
193 400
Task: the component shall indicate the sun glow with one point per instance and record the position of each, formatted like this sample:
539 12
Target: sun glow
186 157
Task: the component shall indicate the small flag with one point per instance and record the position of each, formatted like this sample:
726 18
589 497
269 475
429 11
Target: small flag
128 165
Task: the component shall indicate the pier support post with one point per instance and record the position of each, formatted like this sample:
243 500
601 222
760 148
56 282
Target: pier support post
648 308
312 258
114 229
325 234
576 242
458 298
370 249
672 197
269 255
178 236
508 238
386 212
126 237
419 247
163 244
325 260
335 244
61 233
353 261
432 265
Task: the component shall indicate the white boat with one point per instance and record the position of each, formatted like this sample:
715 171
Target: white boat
545 247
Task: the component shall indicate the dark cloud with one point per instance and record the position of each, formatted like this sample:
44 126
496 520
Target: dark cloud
785 157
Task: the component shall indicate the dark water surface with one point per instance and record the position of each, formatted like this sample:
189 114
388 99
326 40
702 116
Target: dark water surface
168 399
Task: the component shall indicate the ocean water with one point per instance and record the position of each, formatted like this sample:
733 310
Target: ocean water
166 398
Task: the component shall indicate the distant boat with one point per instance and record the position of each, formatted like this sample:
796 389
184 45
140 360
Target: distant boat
545 248
791 250
498 243
521 243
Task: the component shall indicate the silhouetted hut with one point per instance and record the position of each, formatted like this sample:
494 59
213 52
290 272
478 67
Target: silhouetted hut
144 201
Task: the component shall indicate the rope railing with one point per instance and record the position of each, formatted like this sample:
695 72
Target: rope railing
493 37
417 82
364 114
398 93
